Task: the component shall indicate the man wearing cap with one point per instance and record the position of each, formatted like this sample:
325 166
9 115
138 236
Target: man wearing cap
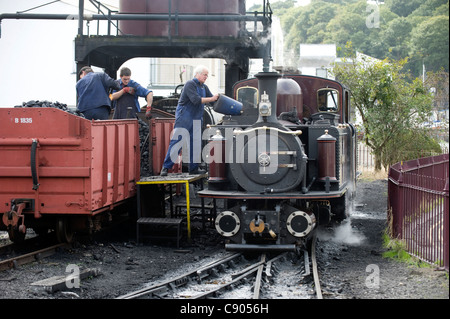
93 94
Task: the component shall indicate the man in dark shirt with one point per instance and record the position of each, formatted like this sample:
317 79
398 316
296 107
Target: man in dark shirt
128 96
189 112
93 94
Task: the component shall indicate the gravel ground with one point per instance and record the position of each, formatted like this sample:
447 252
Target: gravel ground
349 256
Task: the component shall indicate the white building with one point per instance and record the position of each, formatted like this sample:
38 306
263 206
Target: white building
316 59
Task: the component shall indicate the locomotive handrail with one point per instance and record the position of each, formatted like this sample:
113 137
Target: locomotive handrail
238 132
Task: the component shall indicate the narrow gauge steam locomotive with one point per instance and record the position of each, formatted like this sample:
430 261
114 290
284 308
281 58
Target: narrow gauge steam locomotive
285 165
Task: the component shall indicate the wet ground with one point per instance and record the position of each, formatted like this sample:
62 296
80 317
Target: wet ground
350 261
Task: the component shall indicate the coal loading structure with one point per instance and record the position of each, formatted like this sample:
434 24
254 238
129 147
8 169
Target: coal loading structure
181 29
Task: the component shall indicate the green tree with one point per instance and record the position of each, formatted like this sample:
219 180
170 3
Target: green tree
403 8
391 106
407 28
431 8
393 36
307 24
429 44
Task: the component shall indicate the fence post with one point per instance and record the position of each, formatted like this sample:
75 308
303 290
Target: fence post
400 204
446 226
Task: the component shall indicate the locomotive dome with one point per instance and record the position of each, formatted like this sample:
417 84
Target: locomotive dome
288 86
289 97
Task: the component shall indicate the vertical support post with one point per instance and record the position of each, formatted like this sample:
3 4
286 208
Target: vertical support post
188 212
446 225
80 17
138 199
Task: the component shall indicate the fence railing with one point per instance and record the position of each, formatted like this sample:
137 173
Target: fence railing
365 157
418 207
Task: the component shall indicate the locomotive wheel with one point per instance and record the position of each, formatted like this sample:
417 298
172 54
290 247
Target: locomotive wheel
15 235
64 233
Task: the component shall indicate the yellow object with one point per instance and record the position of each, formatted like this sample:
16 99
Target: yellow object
175 179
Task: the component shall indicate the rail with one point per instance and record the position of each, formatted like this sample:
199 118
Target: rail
161 287
418 207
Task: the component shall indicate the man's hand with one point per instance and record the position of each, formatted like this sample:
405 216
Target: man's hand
148 113
129 90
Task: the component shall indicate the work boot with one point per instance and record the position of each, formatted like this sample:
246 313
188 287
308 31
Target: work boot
164 171
197 171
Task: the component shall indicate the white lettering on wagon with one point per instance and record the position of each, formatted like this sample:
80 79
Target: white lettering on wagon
23 120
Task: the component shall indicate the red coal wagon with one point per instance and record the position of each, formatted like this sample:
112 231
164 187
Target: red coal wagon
60 171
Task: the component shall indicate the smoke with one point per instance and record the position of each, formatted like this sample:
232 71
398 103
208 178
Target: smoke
215 53
346 234
343 234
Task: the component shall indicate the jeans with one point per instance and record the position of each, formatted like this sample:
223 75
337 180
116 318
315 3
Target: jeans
187 129
99 113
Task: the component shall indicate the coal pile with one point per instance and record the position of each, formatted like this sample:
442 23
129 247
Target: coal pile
45 103
144 130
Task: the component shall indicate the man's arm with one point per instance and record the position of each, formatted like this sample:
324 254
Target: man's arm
149 99
110 82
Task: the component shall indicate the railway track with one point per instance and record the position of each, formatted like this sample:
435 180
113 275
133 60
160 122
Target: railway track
30 257
235 277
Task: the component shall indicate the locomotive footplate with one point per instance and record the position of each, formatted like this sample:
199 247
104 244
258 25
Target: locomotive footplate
289 195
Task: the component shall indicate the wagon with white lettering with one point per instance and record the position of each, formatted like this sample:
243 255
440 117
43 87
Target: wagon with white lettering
60 171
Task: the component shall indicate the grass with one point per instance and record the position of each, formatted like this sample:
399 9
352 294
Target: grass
372 175
396 250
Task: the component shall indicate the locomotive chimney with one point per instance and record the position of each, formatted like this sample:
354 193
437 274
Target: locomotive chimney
267 85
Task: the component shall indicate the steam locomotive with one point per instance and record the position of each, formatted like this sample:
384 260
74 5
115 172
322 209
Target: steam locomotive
284 164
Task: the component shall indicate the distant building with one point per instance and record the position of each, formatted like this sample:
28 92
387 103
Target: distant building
316 59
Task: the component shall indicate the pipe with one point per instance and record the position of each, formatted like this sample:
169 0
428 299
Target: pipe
137 17
80 14
144 17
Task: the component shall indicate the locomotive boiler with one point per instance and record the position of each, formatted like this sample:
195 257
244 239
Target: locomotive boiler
285 165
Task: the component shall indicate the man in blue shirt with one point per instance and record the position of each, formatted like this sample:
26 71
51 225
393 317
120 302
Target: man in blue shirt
93 94
189 113
127 97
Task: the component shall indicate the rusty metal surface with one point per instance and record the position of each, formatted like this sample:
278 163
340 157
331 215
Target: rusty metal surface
174 27
81 165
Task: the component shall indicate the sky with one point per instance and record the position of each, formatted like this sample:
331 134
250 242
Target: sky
37 56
